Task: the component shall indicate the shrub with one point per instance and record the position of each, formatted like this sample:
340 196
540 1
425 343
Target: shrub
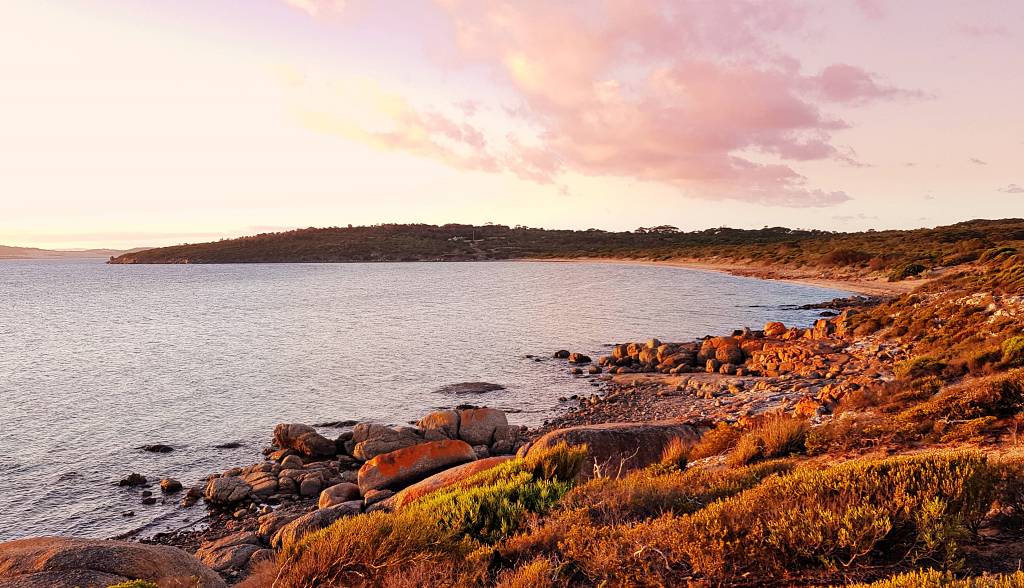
809 520
1013 351
448 530
918 367
852 430
135 584
641 495
998 396
906 270
538 573
936 579
844 257
777 435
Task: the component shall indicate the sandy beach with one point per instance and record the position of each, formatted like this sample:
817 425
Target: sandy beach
838 281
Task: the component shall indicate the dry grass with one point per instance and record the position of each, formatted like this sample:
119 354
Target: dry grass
777 435
717 441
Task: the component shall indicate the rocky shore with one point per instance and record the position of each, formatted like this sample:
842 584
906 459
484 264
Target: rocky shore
649 395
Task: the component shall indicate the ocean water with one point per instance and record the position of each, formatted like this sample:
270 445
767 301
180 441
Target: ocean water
97 360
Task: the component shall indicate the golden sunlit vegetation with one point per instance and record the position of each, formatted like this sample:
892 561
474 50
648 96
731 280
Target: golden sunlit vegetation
902 486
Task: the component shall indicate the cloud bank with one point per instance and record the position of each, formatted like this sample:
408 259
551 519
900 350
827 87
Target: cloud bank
696 95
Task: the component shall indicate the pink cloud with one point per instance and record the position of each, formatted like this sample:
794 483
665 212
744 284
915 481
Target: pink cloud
847 83
692 94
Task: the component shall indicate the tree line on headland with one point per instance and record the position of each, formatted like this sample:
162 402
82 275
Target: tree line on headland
896 253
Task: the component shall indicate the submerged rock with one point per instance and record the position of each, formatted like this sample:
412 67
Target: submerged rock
471 387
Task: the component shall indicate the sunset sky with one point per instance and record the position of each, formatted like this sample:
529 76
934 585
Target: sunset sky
131 122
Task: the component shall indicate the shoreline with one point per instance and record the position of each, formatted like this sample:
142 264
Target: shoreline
855 285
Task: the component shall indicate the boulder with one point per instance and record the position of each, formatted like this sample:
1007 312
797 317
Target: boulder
132 480
561 354
313 521
226 490
374 496
262 483
411 464
372 440
229 553
303 439
446 478
477 425
579 358
444 421
271 523
774 329
729 354
291 462
617 448
170 486
60 562
339 493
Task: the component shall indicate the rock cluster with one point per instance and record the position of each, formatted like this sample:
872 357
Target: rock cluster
309 480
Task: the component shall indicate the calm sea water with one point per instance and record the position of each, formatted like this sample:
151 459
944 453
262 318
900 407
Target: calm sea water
97 360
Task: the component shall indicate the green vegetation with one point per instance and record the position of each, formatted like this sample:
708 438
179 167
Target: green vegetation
897 254
135 584
936 579
440 536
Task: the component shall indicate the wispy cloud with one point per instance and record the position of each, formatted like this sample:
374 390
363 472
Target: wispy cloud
1012 189
977 161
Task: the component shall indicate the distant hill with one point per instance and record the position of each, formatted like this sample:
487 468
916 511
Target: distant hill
898 253
8 252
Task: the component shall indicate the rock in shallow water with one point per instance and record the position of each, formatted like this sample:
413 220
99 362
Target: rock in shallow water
469 388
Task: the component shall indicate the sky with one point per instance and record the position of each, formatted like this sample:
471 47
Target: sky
130 123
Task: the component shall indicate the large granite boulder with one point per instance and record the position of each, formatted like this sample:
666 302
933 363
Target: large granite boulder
372 439
444 479
774 329
477 425
338 493
303 439
617 448
445 422
411 464
226 490
60 562
231 552
294 531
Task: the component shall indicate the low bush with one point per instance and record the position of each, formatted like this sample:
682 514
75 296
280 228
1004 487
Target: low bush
642 496
850 431
810 520
906 270
918 367
937 579
1013 351
444 534
537 573
777 435
999 396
